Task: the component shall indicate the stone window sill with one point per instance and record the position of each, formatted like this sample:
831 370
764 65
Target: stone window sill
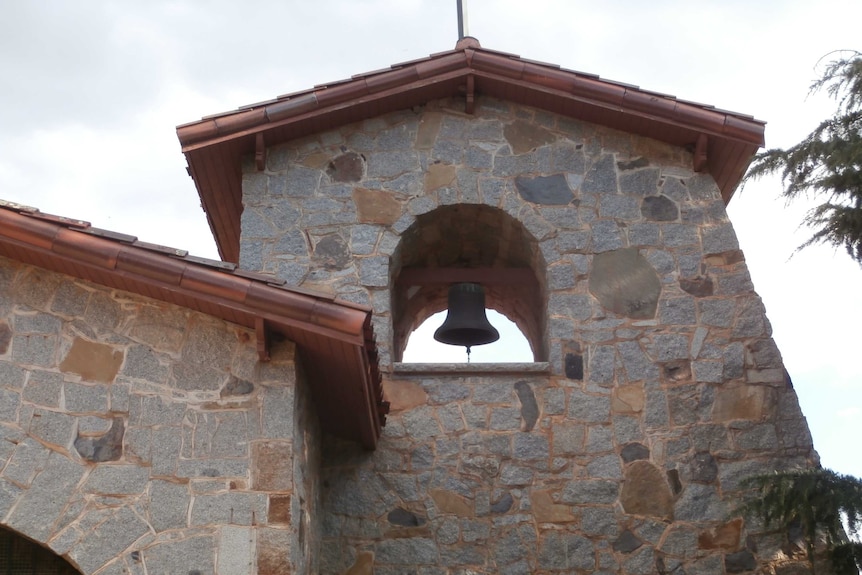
478 368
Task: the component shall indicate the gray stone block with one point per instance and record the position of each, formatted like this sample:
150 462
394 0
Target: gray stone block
109 540
511 474
700 502
195 554
644 234
36 323
391 164
52 427
410 551
679 235
619 207
168 505
505 418
70 300
43 503
601 177
374 271
606 236
677 311
117 480
236 551
590 408
165 451
34 349
278 412
421 423
668 347
86 398
566 551
9 402
599 438
233 508
601 365
527 446
144 364
28 457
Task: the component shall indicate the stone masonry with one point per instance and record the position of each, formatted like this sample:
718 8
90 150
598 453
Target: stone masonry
139 437
662 388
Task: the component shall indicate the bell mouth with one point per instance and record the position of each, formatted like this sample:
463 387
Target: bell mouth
467 336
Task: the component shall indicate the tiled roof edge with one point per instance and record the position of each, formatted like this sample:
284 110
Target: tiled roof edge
474 58
174 268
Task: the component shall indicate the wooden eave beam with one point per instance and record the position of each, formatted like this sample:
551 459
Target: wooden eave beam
700 153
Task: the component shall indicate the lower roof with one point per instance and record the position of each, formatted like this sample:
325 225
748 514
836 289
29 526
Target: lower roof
334 337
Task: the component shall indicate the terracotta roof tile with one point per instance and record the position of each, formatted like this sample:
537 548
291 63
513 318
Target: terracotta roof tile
733 137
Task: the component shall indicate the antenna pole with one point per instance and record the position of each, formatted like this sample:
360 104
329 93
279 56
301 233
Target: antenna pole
460 19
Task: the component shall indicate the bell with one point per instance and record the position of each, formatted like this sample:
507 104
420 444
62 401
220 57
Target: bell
466 323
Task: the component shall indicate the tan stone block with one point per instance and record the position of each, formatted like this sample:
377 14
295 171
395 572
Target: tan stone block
364 564
725 536
524 136
449 502
546 511
272 466
403 395
646 492
273 548
316 160
429 127
628 399
376 206
739 402
92 361
439 175
765 376
279 510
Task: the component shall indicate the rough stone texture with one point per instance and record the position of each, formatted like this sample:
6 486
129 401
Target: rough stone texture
547 190
622 454
645 492
625 283
109 459
92 361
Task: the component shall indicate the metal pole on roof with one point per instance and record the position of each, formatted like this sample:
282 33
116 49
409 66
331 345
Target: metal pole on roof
462 20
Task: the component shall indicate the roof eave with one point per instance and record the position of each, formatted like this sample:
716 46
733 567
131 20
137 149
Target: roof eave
74 248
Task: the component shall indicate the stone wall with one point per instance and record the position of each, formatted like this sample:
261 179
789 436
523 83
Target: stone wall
664 387
139 435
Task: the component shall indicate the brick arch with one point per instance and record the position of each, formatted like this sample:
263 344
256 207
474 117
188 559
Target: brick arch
478 240
22 556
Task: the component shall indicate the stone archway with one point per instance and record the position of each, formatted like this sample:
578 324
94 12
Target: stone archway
20 556
475 243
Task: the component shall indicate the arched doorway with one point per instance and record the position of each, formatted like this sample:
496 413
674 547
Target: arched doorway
20 556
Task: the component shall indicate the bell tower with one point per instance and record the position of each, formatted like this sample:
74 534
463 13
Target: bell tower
592 214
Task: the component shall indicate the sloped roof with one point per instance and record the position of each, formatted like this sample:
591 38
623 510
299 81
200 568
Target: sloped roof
214 146
334 337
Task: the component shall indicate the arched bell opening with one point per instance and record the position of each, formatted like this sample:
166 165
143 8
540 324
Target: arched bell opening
20 556
469 243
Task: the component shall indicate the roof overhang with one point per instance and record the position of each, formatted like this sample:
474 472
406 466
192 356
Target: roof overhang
723 142
334 337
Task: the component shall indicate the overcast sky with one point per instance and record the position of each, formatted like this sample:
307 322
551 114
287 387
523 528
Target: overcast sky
91 92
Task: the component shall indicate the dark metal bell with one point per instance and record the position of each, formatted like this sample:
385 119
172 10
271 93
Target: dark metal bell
466 323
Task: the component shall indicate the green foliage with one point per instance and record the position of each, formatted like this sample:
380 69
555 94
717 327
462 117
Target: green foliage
816 500
827 163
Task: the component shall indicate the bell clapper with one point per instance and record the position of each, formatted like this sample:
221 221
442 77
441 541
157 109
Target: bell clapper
468 354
